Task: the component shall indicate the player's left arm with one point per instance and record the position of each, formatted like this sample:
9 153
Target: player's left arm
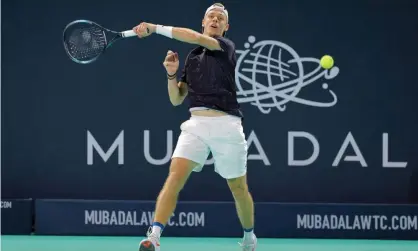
181 34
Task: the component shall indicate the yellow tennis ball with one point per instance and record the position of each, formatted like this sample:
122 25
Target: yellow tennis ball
327 62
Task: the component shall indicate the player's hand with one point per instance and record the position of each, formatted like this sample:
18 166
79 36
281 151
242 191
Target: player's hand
171 62
144 29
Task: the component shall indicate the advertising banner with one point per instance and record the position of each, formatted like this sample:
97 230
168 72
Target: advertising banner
210 219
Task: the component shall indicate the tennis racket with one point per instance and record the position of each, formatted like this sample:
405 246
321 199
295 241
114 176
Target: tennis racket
84 40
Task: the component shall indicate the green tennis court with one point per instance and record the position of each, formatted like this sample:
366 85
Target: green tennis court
76 243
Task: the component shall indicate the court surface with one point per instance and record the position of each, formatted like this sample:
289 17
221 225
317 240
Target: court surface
76 243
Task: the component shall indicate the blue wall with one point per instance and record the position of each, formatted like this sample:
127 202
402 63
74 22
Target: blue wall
368 101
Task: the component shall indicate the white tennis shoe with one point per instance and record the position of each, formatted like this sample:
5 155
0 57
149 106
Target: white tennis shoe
249 244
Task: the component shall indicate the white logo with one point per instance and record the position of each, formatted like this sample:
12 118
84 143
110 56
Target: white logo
285 78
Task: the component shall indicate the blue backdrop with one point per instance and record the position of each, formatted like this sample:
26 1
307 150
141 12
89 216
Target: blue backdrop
344 135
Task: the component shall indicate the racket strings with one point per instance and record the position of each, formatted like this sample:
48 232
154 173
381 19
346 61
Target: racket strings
86 43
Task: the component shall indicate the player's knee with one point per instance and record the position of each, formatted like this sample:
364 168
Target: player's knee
171 186
176 182
238 187
180 170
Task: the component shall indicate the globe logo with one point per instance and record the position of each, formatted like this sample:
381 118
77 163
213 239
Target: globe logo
269 74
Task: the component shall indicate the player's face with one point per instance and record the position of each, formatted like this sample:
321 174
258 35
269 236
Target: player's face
215 23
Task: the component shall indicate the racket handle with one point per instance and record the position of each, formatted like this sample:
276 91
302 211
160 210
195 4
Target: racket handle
128 33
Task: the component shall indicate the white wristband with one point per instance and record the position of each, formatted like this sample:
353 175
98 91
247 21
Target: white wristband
165 31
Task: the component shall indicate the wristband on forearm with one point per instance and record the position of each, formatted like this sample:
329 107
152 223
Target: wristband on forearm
166 31
171 77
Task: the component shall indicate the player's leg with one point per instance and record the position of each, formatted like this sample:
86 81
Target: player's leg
229 149
245 208
243 201
190 153
180 170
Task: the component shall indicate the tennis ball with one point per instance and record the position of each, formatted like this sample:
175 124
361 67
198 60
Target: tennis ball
327 62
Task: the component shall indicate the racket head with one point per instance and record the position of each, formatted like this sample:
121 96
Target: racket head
84 41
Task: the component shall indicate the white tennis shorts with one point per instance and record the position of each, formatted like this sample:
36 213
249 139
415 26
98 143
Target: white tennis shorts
223 136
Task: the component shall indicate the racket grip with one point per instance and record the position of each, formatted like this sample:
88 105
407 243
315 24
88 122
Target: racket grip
128 33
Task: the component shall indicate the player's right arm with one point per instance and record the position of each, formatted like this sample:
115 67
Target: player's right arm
177 91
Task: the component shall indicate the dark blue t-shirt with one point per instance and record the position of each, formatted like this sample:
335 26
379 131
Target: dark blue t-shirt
210 78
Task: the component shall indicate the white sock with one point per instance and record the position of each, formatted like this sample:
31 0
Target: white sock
156 231
248 235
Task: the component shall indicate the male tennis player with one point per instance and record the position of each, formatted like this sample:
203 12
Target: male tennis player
208 80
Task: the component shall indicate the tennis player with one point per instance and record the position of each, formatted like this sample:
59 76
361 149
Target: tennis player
208 80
